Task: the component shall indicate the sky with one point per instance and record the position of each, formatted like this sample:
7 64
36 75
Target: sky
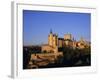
37 25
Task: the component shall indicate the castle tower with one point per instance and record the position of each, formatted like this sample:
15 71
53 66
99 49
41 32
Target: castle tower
53 39
68 36
68 39
50 38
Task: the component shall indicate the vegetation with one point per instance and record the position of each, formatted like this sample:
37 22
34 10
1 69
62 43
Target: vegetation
71 57
76 57
26 57
27 51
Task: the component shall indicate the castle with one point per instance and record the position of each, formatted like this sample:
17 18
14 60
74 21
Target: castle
49 52
54 42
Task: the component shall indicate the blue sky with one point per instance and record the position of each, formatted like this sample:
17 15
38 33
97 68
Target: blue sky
37 25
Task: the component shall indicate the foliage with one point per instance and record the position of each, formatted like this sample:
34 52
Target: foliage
73 56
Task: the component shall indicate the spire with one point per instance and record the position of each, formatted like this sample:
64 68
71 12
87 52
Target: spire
50 31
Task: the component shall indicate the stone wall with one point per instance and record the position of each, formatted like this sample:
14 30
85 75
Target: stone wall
45 55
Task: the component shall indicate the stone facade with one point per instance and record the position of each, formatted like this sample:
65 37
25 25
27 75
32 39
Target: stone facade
68 36
47 48
54 42
52 39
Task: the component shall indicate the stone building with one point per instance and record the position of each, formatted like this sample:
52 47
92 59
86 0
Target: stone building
47 48
60 42
68 37
54 42
50 52
52 39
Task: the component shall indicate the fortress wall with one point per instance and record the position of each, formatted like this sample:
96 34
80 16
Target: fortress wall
45 55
